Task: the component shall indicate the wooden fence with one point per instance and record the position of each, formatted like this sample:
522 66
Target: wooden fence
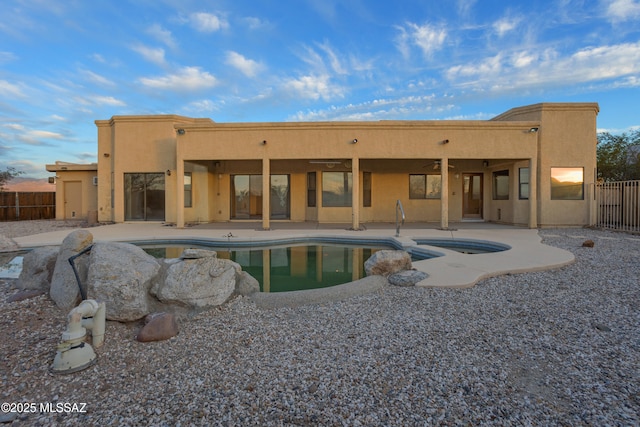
21 206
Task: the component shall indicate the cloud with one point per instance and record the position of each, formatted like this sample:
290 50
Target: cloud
505 25
187 78
549 69
99 100
159 33
623 10
314 87
207 22
427 38
378 109
155 56
248 67
254 23
97 78
10 90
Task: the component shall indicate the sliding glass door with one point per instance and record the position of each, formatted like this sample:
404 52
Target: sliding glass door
144 197
246 197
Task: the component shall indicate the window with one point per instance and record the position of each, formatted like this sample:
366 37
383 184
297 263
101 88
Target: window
336 189
366 189
523 176
425 186
567 183
501 185
311 190
187 190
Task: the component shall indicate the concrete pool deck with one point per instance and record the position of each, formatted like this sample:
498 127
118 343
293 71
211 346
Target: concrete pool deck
453 269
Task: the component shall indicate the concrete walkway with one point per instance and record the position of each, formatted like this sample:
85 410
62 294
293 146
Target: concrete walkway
453 269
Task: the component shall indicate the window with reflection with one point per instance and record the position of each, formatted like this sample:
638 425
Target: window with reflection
567 183
523 183
501 185
422 186
336 189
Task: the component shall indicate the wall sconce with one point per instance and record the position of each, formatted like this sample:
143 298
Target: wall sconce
168 172
485 163
180 131
355 141
264 142
445 141
533 130
106 154
456 175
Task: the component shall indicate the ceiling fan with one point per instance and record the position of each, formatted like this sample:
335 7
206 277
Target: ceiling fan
436 165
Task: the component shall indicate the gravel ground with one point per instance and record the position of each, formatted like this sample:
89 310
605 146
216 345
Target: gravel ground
557 347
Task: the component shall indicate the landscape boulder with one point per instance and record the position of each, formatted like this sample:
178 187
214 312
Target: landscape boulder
387 262
246 284
121 275
158 327
407 277
37 268
198 283
65 291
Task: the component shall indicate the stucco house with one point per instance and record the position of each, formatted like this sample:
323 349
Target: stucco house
531 166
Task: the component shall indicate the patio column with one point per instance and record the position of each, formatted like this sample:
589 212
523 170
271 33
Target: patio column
355 193
533 192
266 193
444 193
180 193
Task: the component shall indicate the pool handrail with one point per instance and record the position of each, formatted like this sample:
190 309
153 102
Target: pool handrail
400 209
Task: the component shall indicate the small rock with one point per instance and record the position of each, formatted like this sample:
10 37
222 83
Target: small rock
407 277
197 254
588 243
26 294
158 327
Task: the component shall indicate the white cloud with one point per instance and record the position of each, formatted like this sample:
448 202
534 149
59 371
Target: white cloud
378 109
162 35
623 10
248 67
207 22
10 90
152 55
505 25
187 78
255 23
314 87
548 69
427 38
97 78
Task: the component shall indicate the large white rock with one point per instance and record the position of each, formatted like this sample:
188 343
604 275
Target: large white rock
37 268
198 283
121 275
64 290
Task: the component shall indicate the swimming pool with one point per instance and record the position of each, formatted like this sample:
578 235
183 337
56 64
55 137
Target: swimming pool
291 264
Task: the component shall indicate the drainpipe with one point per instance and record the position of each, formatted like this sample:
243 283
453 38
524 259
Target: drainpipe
74 354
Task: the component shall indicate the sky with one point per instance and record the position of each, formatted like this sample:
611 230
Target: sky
66 63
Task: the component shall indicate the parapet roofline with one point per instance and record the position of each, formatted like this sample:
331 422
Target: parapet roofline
63 166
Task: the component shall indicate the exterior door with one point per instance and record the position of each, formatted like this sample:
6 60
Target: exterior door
144 198
472 195
72 199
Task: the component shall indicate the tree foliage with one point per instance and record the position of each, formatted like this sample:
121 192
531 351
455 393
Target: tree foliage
7 175
619 156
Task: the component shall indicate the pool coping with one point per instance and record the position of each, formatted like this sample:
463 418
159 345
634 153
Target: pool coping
453 270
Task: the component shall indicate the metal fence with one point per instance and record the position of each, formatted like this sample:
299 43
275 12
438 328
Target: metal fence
618 205
21 206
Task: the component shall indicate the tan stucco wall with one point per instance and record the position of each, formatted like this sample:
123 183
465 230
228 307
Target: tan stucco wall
85 199
389 150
